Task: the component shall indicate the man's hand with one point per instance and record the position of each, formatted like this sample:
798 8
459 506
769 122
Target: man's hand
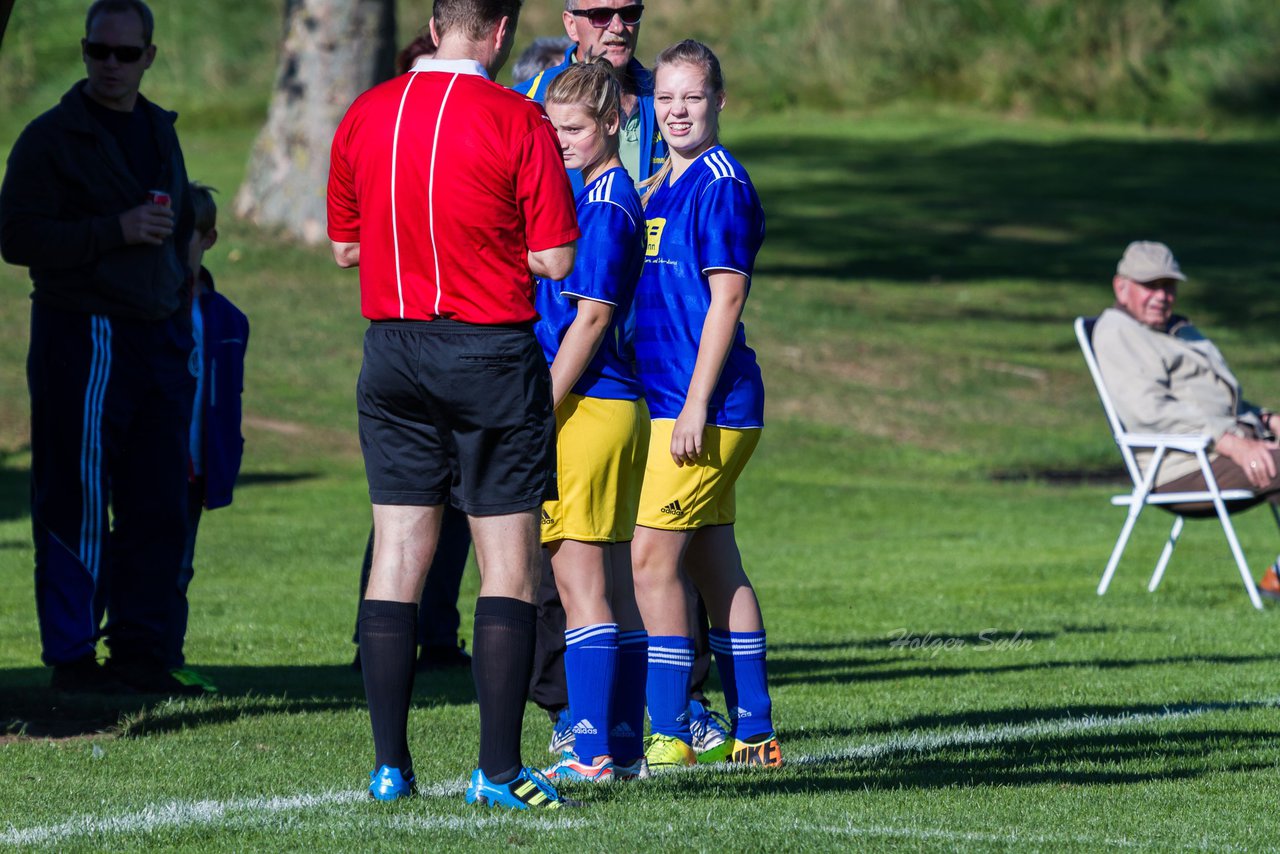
1252 455
346 255
147 223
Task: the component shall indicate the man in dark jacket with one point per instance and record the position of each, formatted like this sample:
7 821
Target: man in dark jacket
95 202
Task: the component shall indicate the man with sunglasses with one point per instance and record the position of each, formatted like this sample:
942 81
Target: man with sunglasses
95 203
609 29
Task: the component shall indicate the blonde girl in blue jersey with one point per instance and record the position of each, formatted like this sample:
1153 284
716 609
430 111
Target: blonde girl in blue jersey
704 392
602 433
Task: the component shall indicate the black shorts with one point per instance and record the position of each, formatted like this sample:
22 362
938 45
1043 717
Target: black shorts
459 413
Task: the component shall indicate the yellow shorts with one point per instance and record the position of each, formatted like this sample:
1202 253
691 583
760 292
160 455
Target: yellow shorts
600 453
685 498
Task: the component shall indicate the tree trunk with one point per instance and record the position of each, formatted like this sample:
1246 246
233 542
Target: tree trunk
332 51
6 6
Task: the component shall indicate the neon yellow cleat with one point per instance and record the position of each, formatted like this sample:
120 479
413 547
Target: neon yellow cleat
666 751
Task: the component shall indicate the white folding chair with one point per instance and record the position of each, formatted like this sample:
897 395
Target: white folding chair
1144 481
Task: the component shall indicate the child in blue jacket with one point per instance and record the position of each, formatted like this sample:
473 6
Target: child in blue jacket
221 333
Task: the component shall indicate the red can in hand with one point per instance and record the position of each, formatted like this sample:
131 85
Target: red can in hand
160 197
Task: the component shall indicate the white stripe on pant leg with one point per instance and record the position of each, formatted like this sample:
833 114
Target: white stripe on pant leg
86 439
99 480
91 499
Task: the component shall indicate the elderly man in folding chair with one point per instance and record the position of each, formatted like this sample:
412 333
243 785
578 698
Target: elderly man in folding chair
1164 376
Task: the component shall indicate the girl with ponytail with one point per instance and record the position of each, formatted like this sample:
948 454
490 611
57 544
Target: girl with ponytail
602 434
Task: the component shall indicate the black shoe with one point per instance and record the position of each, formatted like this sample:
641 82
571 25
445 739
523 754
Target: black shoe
85 676
444 657
147 677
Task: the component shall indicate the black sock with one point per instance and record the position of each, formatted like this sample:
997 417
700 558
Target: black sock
501 664
387 647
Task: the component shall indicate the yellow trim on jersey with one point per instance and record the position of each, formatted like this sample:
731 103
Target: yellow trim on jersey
685 498
600 458
533 87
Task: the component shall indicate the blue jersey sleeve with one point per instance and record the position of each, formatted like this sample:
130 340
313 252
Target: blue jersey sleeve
606 262
730 226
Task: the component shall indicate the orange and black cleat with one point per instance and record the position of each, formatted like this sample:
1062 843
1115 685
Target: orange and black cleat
760 749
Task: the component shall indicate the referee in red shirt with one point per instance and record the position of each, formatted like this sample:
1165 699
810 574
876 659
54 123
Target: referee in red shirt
450 193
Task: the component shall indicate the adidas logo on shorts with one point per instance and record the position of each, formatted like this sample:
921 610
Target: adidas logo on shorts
673 509
546 518
584 727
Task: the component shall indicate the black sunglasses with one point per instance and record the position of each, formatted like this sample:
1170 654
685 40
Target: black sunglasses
602 16
126 53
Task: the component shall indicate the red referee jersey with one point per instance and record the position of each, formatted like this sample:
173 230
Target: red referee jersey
447 180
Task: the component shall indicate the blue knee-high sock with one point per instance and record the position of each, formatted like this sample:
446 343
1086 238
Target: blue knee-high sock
740 658
626 739
590 662
670 661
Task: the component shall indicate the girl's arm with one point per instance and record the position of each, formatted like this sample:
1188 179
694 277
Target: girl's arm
581 340
728 295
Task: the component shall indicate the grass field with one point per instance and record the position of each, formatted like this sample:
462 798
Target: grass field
925 521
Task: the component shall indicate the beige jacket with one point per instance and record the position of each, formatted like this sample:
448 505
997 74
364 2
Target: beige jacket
1169 382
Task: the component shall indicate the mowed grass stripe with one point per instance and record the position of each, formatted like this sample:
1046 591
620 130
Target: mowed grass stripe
176 814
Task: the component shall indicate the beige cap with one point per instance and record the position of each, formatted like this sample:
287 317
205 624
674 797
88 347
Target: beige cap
1147 261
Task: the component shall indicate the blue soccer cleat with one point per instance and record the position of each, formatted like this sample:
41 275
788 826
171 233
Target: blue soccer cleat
529 790
388 784
562 737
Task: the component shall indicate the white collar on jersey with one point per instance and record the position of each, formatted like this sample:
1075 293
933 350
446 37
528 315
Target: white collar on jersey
450 66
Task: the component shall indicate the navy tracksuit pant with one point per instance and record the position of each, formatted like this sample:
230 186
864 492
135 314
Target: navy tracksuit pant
111 406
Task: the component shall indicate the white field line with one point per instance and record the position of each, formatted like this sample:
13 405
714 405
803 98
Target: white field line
1012 838
480 821
170 815
970 736
176 814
